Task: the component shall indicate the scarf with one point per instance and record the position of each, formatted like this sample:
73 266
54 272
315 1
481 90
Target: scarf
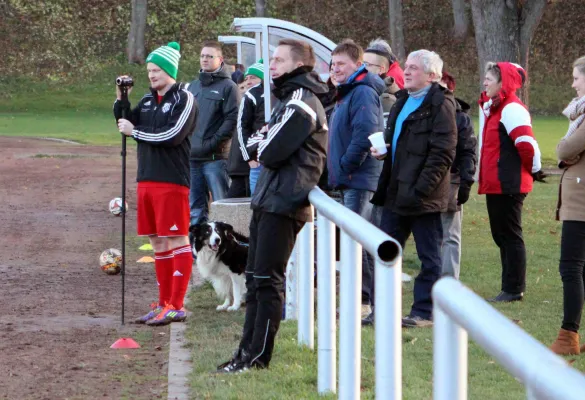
492 104
575 111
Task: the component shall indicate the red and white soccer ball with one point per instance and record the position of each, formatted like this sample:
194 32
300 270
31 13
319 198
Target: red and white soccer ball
116 206
111 261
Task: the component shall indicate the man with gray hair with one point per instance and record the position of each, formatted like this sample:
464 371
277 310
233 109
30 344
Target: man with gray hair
421 137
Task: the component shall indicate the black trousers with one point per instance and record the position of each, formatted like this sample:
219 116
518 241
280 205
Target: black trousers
240 187
272 238
505 214
571 269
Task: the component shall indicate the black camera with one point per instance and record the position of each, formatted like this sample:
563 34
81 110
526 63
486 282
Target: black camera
124 81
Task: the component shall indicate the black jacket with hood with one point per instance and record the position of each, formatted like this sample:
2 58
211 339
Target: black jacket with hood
418 181
218 98
293 150
162 131
250 120
463 168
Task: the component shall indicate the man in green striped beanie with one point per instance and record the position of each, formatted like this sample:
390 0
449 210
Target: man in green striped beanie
163 61
161 124
254 74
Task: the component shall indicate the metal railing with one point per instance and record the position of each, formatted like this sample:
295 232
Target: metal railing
356 233
458 312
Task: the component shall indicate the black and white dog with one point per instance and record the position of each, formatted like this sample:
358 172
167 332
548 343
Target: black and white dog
221 259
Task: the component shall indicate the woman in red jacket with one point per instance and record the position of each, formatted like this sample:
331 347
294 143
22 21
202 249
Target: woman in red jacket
509 163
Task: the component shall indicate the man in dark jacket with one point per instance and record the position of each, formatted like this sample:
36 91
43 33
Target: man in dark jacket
421 137
218 98
462 178
292 152
242 169
161 124
357 114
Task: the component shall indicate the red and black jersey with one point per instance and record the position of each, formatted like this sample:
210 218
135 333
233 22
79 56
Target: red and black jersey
509 153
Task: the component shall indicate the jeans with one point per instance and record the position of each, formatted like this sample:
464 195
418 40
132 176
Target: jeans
505 214
427 230
571 267
358 201
369 275
206 176
254 175
451 251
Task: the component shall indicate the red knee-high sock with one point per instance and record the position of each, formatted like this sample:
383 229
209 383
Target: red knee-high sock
163 264
183 263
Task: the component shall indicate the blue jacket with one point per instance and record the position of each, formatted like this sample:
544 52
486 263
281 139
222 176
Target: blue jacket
357 114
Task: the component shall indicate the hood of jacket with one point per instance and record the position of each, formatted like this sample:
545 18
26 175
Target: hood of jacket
361 77
462 105
207 78
302 77
513 77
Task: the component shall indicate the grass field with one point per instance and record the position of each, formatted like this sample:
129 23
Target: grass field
98 127
214 335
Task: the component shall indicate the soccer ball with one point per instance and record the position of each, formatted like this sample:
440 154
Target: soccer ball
111 261
116 206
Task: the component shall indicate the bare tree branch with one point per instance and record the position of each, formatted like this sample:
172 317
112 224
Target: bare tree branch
396 28
135 49
461 19
532 12
260 8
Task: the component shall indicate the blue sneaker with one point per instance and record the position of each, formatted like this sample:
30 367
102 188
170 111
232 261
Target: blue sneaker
167 315
155 310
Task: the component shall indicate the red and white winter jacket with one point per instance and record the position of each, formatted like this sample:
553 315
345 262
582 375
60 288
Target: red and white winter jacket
509 153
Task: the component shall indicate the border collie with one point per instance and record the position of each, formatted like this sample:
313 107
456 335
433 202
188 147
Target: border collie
221 259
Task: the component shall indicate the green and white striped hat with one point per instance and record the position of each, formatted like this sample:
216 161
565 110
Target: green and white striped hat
256 69
167 58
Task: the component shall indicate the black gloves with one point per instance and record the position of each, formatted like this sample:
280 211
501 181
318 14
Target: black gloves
463 194
539 176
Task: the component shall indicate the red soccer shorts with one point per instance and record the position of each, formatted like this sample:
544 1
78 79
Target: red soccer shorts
162 209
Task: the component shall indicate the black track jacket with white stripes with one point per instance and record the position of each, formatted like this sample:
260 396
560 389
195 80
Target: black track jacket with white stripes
250 120
162 131
294 148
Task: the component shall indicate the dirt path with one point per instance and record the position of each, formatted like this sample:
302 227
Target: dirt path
60 312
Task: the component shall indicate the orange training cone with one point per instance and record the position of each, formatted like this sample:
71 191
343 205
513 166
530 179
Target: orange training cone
125 343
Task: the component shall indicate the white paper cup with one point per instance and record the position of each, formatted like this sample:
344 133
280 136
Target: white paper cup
377 140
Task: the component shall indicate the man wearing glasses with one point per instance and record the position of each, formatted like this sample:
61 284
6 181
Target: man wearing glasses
379 60
218 97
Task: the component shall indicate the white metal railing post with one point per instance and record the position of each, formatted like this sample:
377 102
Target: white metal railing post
349 319
292 277
306 285
388 330
546 375
530 395
449 358
326 325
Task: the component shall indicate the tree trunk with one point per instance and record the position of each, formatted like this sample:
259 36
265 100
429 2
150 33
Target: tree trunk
397 29
135 49
460 19
504 30
261 8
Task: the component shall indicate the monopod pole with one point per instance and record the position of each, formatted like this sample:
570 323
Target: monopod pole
124 110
